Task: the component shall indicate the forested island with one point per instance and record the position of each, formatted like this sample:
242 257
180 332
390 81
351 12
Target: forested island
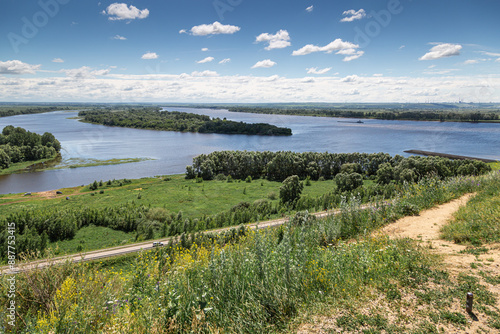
19 145
155 119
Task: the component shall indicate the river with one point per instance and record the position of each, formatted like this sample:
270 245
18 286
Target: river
172 151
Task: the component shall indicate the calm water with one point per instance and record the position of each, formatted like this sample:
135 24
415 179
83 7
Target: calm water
172 151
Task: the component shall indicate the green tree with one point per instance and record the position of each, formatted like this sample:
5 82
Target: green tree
385 173
348 182
291 190
4 159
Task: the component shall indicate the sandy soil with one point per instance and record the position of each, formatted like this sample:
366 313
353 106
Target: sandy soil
425 228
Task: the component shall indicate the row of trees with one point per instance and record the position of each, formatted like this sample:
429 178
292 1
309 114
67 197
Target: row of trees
153 118
4 112
277 166
387 114
19 145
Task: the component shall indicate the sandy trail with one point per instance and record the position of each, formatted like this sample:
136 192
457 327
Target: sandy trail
426 229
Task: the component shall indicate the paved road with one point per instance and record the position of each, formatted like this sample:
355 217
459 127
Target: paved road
116 251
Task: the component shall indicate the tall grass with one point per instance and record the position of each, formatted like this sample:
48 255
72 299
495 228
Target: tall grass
246 281
479 221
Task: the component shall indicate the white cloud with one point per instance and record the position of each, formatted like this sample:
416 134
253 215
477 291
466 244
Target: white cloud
314 70
310 9
352 15
149 55
264 64
120 11
225 61
350 78
212 29
205 87
471 61
492 54
205 60
342 48
84 72
279 40
378 75
355 55
182 31
17 67
205 74
204 49
442 50
57 60
121 38
402 47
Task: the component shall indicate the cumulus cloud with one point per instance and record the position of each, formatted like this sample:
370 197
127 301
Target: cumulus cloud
57 60
215 28
314 70
121 38
343 48
150 55
350 78
279 40
310 9
225 61
84 72
351 15
204 49
206 73
441 51
205 60
17 67
120 11
264 64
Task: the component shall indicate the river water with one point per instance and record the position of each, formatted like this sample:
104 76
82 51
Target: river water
172 151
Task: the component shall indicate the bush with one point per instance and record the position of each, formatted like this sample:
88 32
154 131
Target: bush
291 190
348 182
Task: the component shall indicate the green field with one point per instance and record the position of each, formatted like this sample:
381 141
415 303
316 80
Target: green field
193 199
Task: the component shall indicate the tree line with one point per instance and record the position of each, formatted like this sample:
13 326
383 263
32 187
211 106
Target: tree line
20 145
4 112
384 114
277 166
155 119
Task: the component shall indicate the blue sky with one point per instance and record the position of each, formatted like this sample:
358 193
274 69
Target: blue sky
250 51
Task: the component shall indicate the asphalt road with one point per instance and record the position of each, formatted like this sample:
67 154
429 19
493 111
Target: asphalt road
121 250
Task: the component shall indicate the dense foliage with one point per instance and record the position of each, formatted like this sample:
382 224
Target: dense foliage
387 114
15 110
153 118
19 145
280 165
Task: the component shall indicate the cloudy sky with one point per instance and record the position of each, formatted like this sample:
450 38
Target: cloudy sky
250 51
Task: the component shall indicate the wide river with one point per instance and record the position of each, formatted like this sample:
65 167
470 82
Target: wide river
172 151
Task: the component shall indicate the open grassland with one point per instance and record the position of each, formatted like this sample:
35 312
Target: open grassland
479 221
176 194
171 195
263 281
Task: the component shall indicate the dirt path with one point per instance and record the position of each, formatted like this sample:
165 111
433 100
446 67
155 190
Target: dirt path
426 229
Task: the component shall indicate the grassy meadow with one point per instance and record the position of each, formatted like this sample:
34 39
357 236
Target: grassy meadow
268 281
172 194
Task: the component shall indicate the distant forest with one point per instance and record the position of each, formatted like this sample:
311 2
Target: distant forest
19 145
386 114
153 118
24 110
